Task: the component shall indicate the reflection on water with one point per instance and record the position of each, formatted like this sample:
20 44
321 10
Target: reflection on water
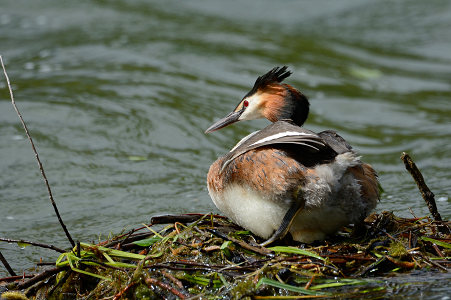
101 83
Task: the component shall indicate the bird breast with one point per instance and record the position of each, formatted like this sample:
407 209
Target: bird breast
257 188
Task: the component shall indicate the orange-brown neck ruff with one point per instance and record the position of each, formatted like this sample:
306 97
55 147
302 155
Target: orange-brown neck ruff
273 101
283 102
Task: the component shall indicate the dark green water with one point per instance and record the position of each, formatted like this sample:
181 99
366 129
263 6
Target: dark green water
102 82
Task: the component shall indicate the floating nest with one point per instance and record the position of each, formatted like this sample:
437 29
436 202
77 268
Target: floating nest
207 256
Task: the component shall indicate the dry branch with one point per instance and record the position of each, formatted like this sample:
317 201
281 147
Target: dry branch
33 243
426 193
259 250
40 277
15 278
165 286
7 266
41 168
121 293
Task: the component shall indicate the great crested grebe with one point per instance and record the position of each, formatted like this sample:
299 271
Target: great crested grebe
285 178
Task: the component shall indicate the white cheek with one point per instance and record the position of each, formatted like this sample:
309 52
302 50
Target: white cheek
252 112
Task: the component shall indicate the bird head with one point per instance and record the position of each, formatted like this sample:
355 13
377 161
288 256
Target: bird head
271 99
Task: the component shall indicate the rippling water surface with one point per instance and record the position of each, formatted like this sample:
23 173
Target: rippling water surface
117 95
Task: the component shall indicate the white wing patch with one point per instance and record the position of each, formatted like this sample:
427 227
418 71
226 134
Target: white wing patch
280 135
244 139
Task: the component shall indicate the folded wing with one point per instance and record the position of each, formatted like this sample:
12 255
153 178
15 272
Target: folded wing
284 134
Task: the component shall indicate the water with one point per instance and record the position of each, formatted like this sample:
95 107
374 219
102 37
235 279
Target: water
101 83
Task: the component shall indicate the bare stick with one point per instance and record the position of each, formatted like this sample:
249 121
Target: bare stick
41 276
165 286
426 193
37 156
260 250
7 266
171 277
121 293
34 244
14 278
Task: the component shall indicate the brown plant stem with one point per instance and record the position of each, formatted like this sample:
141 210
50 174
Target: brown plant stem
14 278
259 250
122 292
41 168
40 277
171 277
426 193
165 286
34 244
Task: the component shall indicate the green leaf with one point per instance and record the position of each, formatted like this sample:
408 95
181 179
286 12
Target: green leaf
225 248
378 255
224 281
22 245
147 242
108 258
295 250
340 283
115 264
91 274
60 258
243 232
440 243
155 255
137 158
122 265
439 258
116 253
202 280
226 245
287 287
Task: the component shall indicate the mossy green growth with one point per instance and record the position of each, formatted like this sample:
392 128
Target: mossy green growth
202 259
397 249
13 296
243 287
142 291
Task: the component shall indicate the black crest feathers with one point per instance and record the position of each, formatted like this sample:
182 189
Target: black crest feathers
277 74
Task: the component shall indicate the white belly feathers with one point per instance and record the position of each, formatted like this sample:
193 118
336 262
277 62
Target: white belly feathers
331 201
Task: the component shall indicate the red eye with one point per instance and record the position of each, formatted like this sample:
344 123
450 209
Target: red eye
245 103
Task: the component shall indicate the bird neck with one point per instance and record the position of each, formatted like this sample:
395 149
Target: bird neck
296 106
